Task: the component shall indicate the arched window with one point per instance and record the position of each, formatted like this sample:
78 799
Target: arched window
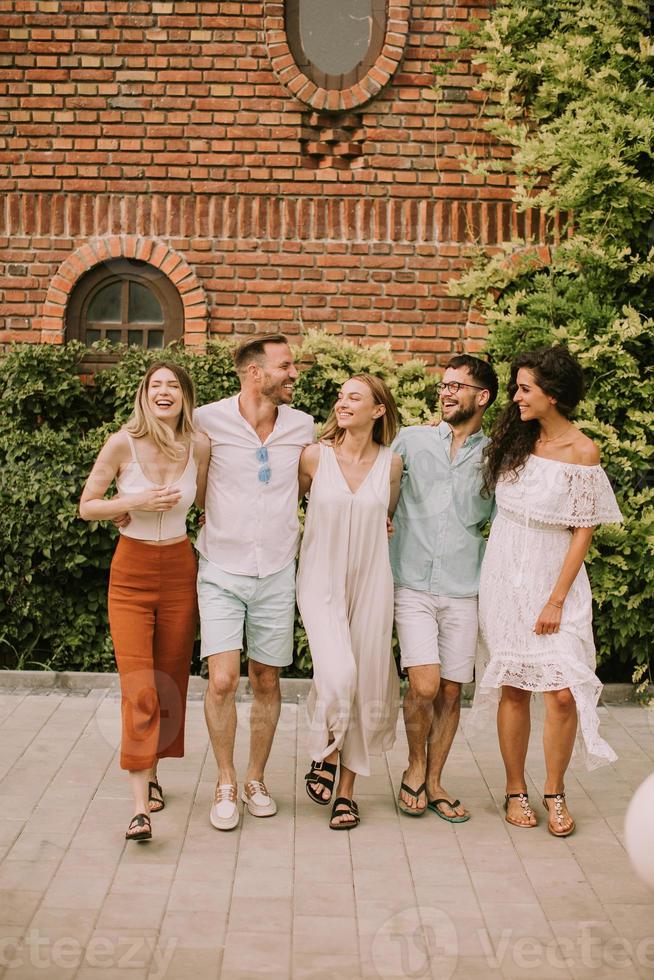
335 42
125 301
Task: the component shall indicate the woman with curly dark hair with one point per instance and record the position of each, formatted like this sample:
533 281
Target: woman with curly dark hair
535 604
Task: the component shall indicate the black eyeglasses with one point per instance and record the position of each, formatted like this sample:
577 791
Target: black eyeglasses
453 386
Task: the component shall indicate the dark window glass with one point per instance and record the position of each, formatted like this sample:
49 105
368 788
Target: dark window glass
335 42
155 339
117 301
105 305
144 307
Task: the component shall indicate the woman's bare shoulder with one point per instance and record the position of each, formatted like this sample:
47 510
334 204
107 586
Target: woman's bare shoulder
584 450
201 445
311 452
118 444
397 463
309 460
113 457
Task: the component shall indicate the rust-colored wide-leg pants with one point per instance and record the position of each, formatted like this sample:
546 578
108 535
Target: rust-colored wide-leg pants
153 618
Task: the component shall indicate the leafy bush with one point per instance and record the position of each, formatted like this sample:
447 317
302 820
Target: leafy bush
53 577
570 90
328 362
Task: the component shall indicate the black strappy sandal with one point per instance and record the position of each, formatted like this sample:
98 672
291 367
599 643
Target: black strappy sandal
141 820
313 776
158 801
342 808
415 793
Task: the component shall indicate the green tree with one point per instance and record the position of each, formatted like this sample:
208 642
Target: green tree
570 90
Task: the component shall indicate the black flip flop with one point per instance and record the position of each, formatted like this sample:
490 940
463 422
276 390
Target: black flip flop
415 793
433 805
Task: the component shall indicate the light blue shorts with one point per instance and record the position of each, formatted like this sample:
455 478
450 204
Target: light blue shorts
265 606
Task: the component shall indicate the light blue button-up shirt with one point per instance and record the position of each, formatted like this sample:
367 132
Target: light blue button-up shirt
438 546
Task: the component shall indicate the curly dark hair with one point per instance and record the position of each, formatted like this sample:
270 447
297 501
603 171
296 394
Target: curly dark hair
559 374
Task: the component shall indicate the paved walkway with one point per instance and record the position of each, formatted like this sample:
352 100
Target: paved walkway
287 897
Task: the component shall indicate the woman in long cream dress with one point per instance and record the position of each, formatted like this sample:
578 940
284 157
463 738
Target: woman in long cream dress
535 603
345 592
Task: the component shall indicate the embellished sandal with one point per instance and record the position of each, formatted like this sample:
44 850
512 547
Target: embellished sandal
156 800
142 821
558 814
343 808
526 809
415 793
313 776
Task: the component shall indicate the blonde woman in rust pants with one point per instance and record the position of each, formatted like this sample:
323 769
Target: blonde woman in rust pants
159 463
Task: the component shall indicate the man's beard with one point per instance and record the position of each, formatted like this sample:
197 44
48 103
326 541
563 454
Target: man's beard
275 392
462 414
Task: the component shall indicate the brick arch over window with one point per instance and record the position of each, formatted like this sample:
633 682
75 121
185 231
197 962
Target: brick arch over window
336 100
155 253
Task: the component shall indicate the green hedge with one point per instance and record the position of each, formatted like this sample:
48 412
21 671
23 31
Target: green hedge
570 89
53 576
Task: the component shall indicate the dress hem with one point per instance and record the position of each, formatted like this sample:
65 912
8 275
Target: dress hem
575 676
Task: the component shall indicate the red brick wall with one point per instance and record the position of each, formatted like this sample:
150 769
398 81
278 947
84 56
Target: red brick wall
165 121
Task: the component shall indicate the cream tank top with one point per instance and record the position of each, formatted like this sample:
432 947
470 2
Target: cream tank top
157 525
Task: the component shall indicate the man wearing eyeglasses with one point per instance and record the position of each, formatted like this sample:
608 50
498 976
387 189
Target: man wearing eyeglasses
436 554
246 576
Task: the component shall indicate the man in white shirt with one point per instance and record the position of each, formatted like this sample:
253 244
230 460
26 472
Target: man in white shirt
247 551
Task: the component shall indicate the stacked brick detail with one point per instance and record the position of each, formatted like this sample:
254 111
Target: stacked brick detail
140 121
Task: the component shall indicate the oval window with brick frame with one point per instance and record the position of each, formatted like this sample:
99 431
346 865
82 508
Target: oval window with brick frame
126 302
336 44
336 70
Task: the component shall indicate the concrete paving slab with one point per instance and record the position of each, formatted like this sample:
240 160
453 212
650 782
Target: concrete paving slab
288 898
248 954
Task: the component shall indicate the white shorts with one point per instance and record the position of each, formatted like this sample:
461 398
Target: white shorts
265 606
435 629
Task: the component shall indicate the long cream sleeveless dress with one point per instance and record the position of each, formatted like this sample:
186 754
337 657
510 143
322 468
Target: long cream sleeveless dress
345 596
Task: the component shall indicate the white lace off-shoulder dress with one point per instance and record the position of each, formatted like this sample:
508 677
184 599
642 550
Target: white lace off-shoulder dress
528 542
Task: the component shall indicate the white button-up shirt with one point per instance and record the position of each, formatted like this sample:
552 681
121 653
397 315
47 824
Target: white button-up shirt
251 526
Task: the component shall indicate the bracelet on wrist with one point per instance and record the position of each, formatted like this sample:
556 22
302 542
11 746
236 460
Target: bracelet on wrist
551 602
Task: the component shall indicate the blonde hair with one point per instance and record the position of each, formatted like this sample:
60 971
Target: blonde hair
144 423
385 427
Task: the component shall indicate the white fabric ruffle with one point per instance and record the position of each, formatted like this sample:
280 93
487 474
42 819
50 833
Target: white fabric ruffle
565 494
560 668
